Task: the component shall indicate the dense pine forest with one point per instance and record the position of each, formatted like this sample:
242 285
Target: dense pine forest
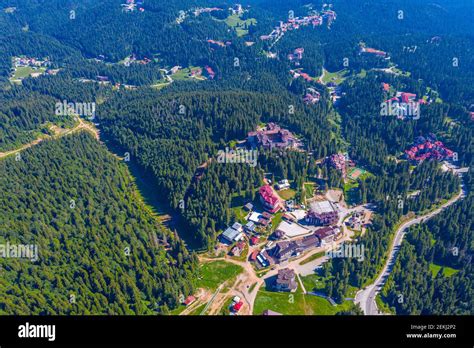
99 250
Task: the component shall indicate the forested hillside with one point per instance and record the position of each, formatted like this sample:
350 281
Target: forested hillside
100 251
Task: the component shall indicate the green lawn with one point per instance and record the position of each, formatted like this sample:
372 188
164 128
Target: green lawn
183 74
287 194
24 72
296 304
309 189
276 220
213 274
198 310
314 282
447 271
236 22
336 77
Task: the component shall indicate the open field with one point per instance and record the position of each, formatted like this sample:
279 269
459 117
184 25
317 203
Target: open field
336 77
236 22
213 274
447 271
287 194
24 72
296 304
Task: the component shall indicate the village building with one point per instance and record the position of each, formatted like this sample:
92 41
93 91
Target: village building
286 280
428 148
237 249
328 234
269 199
273 137
250 227
230 235
248 206
290 229
322 213
189 300
283 184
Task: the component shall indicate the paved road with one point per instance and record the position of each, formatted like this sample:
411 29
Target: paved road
366 297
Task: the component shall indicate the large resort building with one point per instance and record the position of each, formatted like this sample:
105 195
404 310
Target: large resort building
322 213
287 249
286 280
271 137
269 199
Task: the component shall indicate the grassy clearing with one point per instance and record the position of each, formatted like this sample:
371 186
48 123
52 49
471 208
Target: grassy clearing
198 310
213 274
296 304
336 77
447 271
24 72
287 194
309 189
239 25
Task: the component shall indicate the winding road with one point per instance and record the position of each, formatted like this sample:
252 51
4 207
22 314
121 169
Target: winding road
366 297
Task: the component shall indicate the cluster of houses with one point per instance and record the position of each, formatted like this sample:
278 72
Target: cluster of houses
356 221
132 5
296 56
218 44
272 137
295 23
373 51
19 62
341 162
312 96
236 9
132 59
201 10
428 148
404 97
298 73
38 66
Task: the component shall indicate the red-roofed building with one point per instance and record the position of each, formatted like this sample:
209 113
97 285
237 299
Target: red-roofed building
254 241
269 199
407 97
210 72
238 306
190 299
253 255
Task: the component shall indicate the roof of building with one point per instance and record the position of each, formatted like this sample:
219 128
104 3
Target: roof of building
190 299
268 195
237 226
326 232
322 207
292 229
230 233
286 277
